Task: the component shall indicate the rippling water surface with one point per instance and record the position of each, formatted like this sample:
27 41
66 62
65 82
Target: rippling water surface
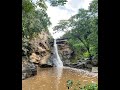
55 79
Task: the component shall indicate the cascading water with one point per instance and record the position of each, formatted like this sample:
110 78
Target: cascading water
57 61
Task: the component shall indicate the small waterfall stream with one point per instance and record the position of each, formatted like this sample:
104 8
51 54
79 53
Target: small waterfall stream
57 61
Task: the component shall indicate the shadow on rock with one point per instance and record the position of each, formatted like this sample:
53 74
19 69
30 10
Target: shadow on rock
28 69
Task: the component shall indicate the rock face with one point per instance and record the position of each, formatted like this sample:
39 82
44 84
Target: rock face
28 69
37 52
87 65
41 51
65 52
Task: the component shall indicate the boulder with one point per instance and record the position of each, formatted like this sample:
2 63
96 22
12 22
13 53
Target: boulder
95 62
66 62
78 65
95 69
35 58
28 69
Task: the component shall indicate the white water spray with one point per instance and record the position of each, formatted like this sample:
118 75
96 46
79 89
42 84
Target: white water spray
57 61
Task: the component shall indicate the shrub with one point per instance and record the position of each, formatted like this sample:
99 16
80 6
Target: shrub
91 86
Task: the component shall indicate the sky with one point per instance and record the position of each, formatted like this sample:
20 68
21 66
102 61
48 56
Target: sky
64 12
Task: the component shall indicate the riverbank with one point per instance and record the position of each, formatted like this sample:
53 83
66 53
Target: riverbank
86 72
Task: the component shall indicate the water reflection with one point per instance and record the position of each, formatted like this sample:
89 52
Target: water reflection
58 71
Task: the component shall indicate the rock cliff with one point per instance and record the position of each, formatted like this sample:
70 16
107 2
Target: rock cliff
35 52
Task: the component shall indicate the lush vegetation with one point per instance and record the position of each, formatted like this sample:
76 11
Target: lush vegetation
81 28
82 32
35 20
77 85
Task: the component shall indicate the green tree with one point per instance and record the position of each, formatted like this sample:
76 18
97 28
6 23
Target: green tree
82 30
34 21
57 2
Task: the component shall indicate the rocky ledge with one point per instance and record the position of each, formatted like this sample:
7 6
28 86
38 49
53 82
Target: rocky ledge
28 69
35 52
85 65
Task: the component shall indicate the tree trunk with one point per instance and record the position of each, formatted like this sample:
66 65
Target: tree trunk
87 47
90 56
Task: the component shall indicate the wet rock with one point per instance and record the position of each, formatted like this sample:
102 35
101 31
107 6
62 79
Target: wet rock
86 65
66 62
95 62
95 69
48 62
45 66
28 69
79 65
89 66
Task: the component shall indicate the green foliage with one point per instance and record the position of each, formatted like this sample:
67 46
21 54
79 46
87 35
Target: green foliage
27 6
91 86
86 55
77 85
82 31
57 2
42 4
35 21
94 6
69 84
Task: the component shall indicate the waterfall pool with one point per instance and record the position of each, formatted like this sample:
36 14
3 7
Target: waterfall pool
55 78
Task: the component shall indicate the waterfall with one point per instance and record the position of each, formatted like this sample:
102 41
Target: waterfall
57 61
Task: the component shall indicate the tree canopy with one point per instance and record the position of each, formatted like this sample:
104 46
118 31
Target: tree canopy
82 31
34 21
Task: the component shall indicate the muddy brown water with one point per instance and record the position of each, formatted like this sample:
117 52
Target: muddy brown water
55 79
